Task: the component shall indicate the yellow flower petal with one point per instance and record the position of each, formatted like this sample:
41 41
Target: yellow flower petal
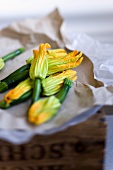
39 65
50 54
59 68
2 64
59 50
43 110
56 53
19 90
63 59
53 83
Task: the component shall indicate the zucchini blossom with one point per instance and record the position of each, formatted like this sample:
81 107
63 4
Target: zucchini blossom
18 91
50 54
66 62
59 60
43 110
39 65
53 83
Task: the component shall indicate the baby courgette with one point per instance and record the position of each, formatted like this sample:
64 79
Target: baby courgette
13 80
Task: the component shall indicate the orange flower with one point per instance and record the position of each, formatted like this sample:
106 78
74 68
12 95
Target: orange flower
19 90
53 83
39 65
67 62
43 109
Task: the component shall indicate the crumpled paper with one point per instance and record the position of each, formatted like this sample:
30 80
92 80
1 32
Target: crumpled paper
100 54
88 93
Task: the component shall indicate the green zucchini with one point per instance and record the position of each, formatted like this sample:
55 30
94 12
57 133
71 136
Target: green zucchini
23 98
36 90
13 54
19 70
61 95
13 80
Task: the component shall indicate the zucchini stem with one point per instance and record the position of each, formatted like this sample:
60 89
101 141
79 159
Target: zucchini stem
61 95
36 90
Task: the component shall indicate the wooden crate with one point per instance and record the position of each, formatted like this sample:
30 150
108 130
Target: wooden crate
80 147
